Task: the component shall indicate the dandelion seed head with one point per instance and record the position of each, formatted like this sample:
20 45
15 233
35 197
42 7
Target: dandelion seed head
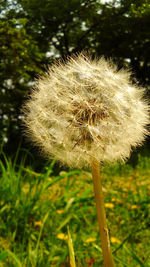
85 108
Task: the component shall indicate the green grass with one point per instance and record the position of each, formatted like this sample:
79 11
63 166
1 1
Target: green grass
38 211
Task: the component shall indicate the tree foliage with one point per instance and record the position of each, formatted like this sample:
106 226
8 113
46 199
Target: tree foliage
34 33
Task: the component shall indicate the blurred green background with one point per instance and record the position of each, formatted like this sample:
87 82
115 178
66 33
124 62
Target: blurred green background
41 202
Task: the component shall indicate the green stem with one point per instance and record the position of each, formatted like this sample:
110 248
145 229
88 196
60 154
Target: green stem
101 215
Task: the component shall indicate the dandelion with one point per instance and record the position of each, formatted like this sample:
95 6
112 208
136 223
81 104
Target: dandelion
84 112
62 236
109 205
86 108
38 223
115 240
90 240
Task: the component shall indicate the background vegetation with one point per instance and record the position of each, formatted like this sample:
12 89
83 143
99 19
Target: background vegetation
37 200
34 33
36 208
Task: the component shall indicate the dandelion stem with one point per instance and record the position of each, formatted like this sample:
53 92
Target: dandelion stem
101 215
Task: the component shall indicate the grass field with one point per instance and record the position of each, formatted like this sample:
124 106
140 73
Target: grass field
46 219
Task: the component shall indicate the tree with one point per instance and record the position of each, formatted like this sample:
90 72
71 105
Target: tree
34 33
20 60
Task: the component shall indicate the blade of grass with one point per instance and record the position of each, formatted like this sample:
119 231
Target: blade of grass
41 230
131 252
71 250
64 222
59 177
19 264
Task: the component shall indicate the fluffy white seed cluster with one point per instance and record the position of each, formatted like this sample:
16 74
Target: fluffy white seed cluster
86 108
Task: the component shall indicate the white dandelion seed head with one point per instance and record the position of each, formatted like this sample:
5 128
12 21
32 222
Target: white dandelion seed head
86 108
